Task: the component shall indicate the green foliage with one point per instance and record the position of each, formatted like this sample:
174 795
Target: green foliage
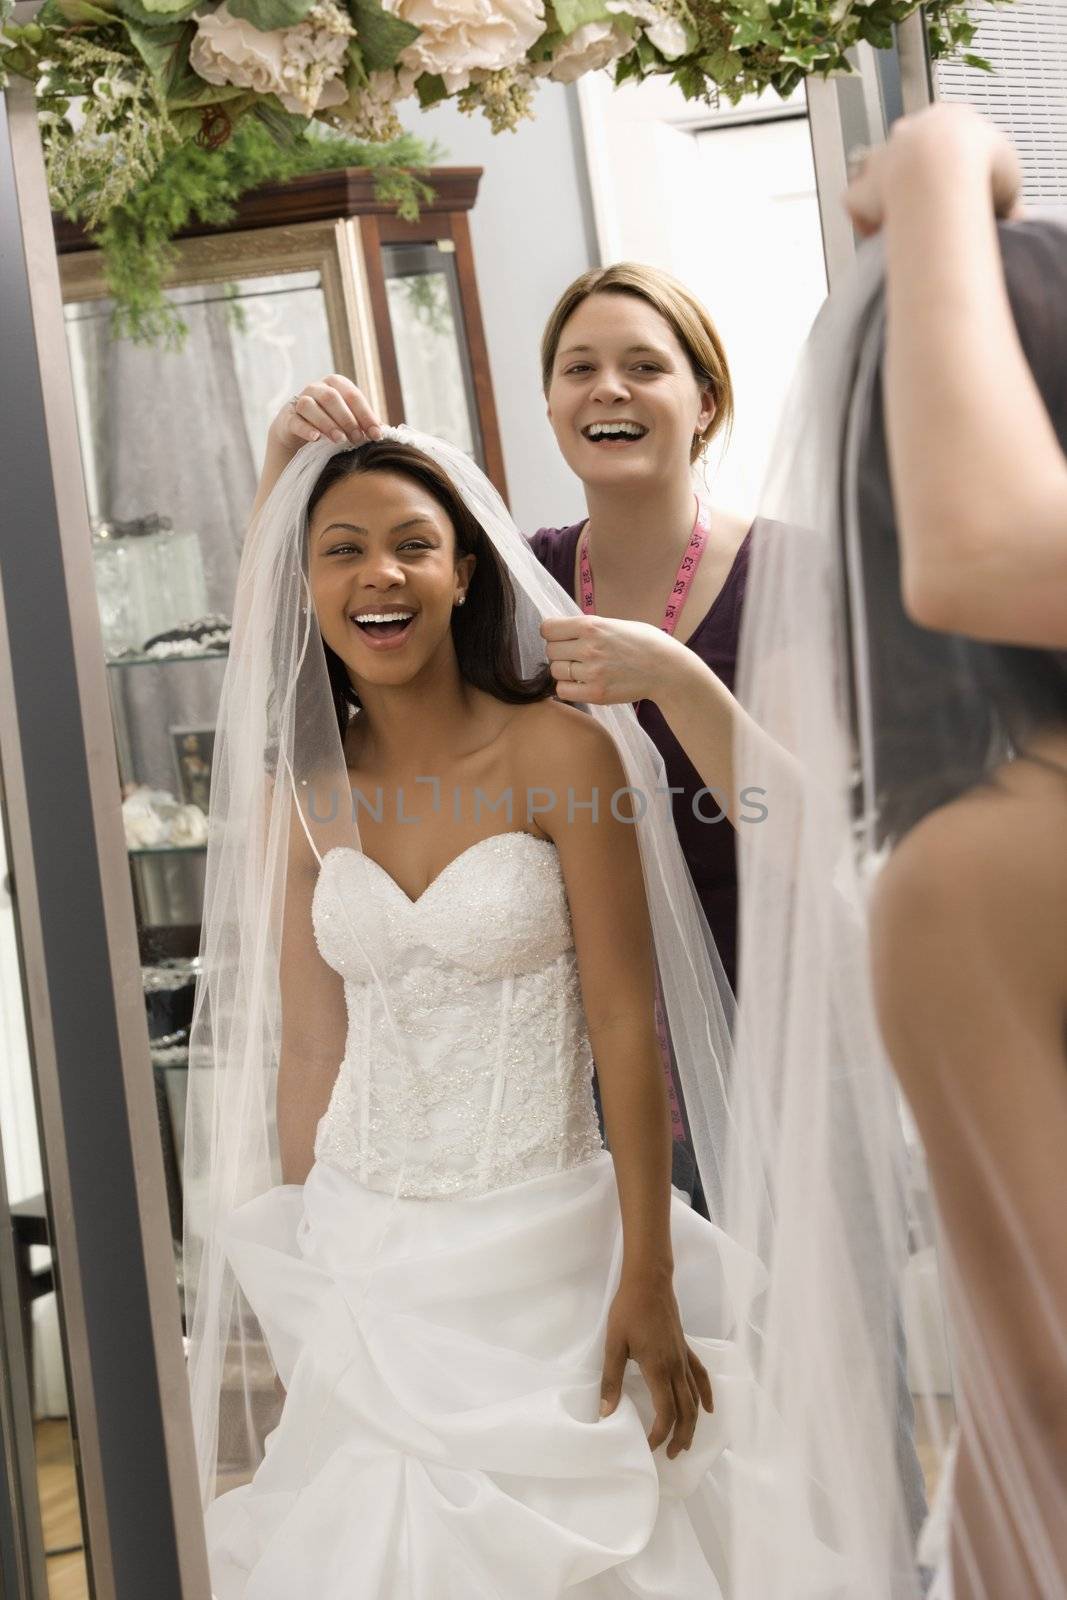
155 13
198 184
738 47
381 35
745 46
950 28
573 14
268 14
431 90
125 131
6 8
426 294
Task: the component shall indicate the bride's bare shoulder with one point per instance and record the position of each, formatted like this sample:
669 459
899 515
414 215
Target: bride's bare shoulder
549 719
296 816
556 737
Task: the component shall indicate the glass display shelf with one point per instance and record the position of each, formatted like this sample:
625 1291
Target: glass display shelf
166 849
167 661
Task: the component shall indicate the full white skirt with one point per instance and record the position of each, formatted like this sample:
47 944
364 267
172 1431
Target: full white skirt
441 1437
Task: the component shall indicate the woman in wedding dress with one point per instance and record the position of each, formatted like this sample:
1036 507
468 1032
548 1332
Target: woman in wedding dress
657 569
507 1357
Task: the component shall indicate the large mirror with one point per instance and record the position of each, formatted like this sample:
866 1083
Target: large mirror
439 321
426 319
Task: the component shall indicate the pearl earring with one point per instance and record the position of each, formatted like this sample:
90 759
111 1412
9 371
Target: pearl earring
461 600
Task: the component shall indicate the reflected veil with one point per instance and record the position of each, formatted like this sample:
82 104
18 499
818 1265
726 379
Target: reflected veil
862 724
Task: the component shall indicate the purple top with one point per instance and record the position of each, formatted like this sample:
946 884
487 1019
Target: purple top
708 845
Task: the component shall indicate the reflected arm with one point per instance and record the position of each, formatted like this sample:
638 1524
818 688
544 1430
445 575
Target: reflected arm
314 1018
613 941
331 408
979 479
602 871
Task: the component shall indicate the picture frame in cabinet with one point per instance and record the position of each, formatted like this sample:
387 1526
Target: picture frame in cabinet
194 750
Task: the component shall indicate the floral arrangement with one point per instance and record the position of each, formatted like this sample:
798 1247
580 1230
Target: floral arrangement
193 69
122 85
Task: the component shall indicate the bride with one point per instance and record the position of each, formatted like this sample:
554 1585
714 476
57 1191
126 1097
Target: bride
444 1356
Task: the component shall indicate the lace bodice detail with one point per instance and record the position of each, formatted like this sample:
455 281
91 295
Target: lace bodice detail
483 1076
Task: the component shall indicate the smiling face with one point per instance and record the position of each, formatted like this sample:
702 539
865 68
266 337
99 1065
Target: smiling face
623 400
381 546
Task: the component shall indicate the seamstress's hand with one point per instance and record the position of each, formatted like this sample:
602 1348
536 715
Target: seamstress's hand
333 408
951 140
605 661
644 1325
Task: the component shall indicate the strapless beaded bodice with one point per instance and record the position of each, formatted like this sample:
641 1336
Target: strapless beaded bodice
483 1075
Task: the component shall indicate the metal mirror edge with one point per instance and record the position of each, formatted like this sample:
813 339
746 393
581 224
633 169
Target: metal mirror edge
112 1237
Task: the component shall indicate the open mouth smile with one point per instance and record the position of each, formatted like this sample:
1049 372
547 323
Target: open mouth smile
605 434
386 628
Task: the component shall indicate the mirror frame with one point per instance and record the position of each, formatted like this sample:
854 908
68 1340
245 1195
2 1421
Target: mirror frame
333 249
109 1221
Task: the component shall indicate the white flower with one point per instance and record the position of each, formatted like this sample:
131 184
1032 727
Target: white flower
458 36
303 65
393 86
370 112
661 26
587 49
152 817
114 88
188 826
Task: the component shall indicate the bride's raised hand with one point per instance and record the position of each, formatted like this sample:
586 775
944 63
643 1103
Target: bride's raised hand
644 1325
331 408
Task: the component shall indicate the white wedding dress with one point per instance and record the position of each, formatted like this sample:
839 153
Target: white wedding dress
435 1295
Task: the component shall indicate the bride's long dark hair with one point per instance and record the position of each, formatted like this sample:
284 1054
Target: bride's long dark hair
483 630
971 703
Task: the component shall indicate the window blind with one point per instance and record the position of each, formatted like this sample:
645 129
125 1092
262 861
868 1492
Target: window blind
1026 96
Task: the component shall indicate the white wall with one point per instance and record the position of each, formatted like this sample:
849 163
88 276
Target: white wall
532 233
756 258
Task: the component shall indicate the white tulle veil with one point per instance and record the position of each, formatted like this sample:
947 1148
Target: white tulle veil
280 801
860 724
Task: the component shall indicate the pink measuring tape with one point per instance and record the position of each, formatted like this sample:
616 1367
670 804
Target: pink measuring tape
683 578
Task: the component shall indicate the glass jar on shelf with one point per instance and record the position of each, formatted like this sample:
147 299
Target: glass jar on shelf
149 577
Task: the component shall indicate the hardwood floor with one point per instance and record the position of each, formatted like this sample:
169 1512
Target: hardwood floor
60 1511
